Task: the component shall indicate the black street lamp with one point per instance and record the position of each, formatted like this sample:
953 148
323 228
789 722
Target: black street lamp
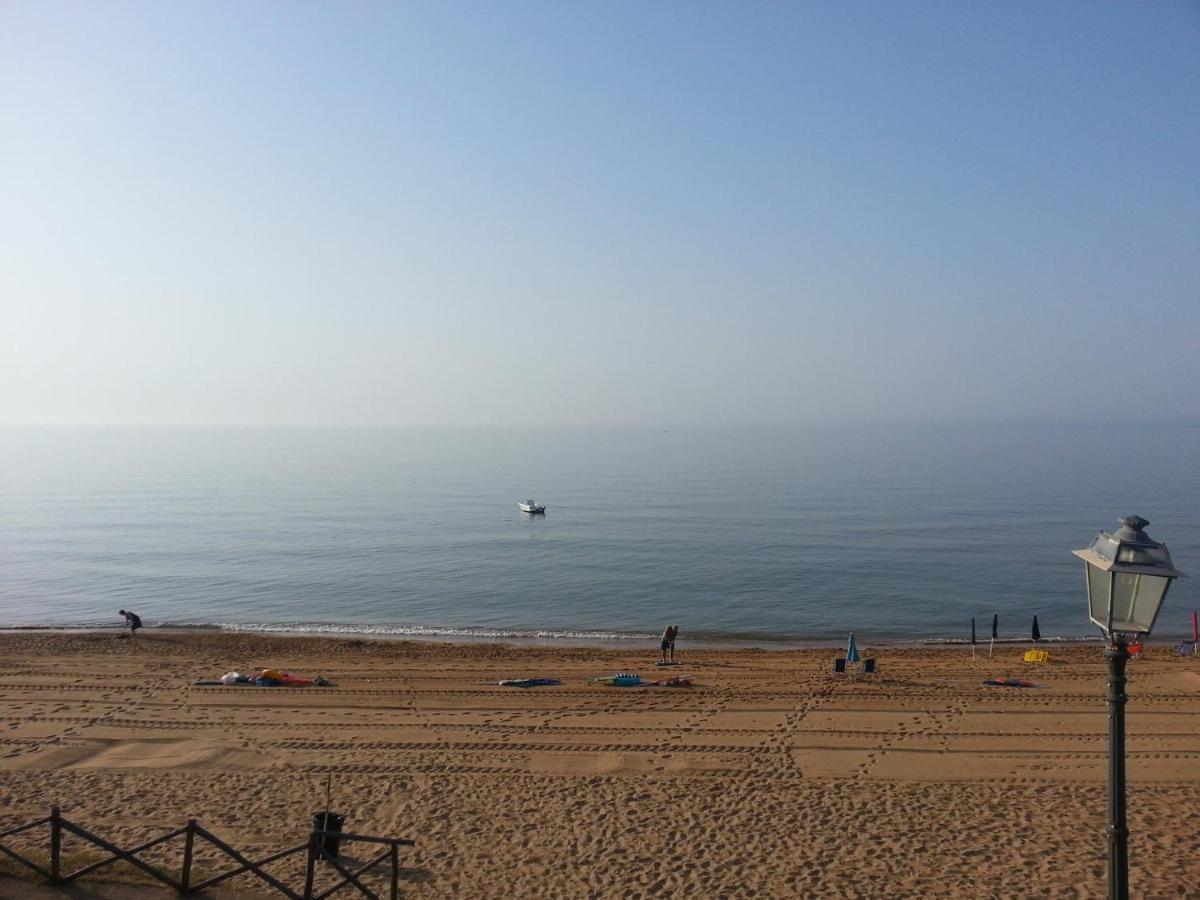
1128 575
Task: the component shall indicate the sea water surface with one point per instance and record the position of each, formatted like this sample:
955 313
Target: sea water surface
760 534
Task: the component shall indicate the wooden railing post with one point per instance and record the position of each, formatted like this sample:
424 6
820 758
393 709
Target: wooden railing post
310 870
353 874
55 845
189 841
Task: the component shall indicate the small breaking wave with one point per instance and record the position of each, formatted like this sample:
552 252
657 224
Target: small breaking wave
983 642
423 631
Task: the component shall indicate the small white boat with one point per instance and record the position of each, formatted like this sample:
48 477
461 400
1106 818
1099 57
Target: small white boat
532 507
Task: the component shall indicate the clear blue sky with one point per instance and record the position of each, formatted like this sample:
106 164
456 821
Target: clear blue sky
609 213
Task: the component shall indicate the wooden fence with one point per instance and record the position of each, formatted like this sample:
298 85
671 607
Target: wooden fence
316 847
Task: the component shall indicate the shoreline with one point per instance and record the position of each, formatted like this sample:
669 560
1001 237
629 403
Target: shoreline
620 643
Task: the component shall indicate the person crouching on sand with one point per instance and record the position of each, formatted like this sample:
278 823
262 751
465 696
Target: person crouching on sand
133 620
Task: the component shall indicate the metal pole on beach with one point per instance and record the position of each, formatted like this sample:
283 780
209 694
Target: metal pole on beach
1118 830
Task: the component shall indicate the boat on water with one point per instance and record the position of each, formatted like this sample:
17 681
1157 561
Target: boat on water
532 507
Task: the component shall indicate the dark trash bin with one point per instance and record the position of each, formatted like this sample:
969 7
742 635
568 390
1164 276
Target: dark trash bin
327 821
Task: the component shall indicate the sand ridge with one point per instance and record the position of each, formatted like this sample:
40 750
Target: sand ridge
772 778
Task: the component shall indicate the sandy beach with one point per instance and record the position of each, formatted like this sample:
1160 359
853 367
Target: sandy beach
769 778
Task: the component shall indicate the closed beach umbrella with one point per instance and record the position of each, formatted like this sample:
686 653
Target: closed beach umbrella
1037 632
995 625
1195 629
851 650
972 631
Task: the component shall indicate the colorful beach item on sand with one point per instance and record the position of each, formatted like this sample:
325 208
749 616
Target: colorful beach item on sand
277 677
265 678
628 679
621 679
528 682
851 650
1010 682
1190 648
675 681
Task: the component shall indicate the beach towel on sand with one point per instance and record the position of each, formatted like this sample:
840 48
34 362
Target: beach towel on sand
1010 682
625 679
267 678
527 682
676 681
621 679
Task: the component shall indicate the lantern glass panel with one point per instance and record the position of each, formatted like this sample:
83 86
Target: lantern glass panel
1098 599
1136 599
1143 556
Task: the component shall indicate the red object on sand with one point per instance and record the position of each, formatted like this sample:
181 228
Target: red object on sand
677 681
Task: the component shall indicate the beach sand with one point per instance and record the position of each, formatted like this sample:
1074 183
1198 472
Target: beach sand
772 778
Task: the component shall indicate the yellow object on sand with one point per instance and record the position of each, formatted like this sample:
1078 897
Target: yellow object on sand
1037 656
273 674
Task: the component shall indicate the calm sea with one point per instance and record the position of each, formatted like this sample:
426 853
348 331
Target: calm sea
894 533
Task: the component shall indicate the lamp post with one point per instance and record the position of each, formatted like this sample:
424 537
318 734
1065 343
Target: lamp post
1127 575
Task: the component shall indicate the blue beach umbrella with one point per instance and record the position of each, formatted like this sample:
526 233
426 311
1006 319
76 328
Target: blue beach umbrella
851 650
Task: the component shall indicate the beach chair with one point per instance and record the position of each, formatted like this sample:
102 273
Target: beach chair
1037 656
839 666
1186 648
869 667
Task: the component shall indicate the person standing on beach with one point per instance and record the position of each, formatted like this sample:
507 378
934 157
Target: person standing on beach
133 620
668 641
